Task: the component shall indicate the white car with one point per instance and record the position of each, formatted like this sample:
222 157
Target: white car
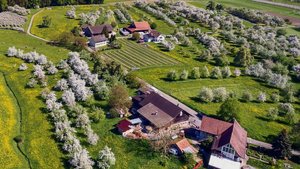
173 151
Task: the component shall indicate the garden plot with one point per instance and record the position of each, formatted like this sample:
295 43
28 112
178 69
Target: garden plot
135 56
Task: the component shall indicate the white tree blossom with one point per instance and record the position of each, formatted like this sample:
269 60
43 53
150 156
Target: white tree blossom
82 160
68 98
106 158
23 66
62 85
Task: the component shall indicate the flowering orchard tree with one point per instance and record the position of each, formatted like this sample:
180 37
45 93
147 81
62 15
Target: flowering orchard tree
106 158
68 98
82 160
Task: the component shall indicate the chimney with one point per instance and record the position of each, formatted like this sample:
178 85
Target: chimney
155 113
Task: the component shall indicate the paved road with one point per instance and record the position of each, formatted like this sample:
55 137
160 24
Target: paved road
30 25
279 4
267 145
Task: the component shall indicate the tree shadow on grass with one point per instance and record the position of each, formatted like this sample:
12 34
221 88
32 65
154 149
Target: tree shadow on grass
115 131
269 120
270 138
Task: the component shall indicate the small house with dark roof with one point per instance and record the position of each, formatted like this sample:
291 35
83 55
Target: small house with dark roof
90 31
138 27
159 112
98 35
154 36
229 145
98 41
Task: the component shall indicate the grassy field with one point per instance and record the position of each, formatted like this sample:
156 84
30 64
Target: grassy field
252 115
10 128
60 23
133 55
251 5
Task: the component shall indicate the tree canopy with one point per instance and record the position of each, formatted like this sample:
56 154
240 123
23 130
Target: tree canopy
282 145
229 110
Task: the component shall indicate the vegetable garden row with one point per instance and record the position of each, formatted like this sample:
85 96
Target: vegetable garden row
133 55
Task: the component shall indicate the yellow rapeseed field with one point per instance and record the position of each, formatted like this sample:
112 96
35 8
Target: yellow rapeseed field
10 155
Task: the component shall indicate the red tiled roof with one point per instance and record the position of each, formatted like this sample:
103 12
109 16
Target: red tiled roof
183 144
214 126
142 25
226 133
139 26
124 125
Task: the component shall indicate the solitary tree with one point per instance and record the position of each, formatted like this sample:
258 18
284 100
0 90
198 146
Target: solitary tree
282 145
136 36
211 5
46 21
106 158
206 95
119 97
243 57
295 135
195 73
172 75
229 110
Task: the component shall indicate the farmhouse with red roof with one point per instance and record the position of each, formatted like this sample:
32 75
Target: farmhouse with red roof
138 27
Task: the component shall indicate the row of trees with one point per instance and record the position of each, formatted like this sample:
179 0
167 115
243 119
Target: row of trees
154 11
196 73
122 13
284 109
221 94
35 3
65 133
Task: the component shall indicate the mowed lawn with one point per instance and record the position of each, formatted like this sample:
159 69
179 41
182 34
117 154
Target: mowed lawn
252 115
133 55
10 125
59 22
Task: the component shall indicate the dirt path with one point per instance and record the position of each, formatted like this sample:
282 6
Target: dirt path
30 25
279 4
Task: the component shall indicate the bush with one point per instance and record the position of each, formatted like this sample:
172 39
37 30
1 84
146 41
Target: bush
272 113
262 97
216 73
113 24
220 94
275 97
172 75
204 72
136 36
195 73
206 95
237 72
46 22
184 75
153 25
18 139
247 96
226 72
